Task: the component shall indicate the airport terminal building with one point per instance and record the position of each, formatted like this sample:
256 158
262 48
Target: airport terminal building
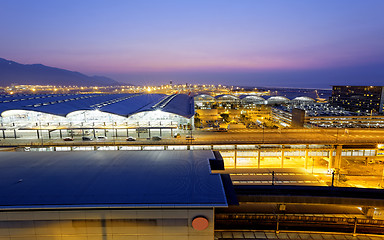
61 115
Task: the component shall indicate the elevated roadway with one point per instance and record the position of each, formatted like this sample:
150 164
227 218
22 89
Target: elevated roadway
241 136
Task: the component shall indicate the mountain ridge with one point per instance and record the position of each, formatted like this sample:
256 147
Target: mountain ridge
12 72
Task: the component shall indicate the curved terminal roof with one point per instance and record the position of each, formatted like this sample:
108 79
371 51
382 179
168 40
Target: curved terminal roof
226 96
303 99
203 96
251 98
276 99
109 179
119 104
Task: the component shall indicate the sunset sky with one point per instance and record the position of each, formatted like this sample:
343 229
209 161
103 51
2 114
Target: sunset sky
298 43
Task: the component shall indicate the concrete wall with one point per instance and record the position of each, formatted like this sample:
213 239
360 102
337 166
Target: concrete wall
138 224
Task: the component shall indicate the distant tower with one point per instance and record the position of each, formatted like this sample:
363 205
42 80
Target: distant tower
170 82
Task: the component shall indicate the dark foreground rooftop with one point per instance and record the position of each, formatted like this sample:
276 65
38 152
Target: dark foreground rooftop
109 179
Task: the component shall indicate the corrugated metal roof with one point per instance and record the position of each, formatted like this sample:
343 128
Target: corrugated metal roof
120 104
108 179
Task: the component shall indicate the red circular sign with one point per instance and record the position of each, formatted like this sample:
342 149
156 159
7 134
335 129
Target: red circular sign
200 223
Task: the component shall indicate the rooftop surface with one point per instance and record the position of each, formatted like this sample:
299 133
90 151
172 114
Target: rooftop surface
119 104
109 179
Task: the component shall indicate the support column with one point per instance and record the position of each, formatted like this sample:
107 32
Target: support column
3 134
258 157
235 155
61 134
331 159
306 157
339 150
354 227
282 157
14 132
336 161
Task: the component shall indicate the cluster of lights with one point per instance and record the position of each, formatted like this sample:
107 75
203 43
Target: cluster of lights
162 89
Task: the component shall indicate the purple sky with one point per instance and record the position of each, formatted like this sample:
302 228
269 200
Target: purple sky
294 43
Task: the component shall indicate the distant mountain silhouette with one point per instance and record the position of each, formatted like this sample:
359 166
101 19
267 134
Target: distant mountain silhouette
38 74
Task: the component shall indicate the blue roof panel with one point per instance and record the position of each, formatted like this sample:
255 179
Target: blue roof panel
182 105
98 178
134 104
120 104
